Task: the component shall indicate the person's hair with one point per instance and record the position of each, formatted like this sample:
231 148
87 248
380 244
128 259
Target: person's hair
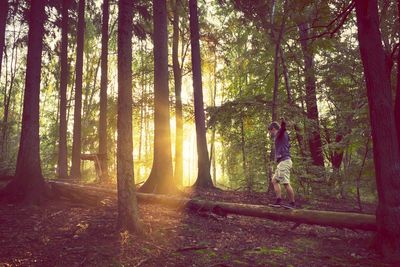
274 124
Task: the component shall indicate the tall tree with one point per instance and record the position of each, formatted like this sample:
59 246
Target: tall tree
62 145
103 92
277 40
28 184
10 82
397 101
178 172
128 218
203 161
76 142
385 147
311 97
3 23
161 176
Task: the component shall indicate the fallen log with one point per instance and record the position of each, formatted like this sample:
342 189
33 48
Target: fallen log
350 220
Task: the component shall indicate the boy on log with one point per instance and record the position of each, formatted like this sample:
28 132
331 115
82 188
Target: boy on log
282 157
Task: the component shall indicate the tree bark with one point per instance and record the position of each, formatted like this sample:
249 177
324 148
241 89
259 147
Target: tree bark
203 163
299 136
161 175
350 220
286 76
383 126
142 110
311 98
213 130
64 75
77 142
276 64
178 172
28 184
103 93
247 177
128 218
3 23
397 101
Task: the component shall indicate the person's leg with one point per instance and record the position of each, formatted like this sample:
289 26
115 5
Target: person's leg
275 182
277 189
290 192
286 166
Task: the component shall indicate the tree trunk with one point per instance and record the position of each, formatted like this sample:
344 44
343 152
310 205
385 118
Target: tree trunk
385 147
276 65
350 220
161 175
103 93
203 164
128 218
397 101
3 23
311 98
275 89
337 156
178 172
28 184
299 136
7 100
286 76
76 143
213 130
142 112
62 145
247 177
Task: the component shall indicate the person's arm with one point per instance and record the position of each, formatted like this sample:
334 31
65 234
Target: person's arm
282 130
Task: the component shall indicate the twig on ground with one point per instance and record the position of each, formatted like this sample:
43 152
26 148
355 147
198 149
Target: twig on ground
191 248
151 244
142 262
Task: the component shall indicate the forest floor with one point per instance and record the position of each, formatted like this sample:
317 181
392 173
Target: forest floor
63 233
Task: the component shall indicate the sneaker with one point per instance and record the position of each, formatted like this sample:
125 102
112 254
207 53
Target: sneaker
278 203
290 205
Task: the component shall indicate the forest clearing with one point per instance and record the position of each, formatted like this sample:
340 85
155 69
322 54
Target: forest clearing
199 133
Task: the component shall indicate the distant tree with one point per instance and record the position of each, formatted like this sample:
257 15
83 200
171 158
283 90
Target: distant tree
178 172
383 126
161 176
397 102
311 96
203 175
128 218
3 23
103 92
76 142
28 184
62 145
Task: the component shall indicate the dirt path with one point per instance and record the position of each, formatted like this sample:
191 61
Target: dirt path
62 233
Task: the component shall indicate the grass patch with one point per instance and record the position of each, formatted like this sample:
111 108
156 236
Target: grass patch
267 251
